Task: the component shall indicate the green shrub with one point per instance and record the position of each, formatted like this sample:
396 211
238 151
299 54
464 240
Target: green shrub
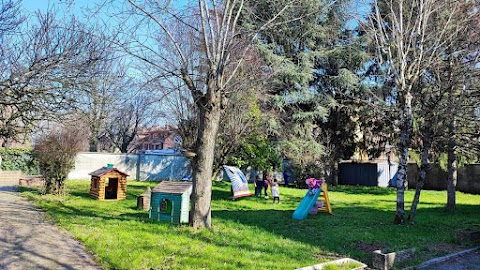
18 159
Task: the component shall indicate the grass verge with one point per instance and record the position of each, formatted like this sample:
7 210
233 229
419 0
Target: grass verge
253 233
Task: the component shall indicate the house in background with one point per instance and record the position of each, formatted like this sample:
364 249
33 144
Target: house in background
155 138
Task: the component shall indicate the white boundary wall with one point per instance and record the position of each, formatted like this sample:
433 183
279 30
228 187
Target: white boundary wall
137 166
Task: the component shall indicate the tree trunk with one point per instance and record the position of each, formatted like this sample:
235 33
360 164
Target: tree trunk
217 168
49 186
424 168
93 144
452 168
54 185
94 141
124 146
334 166
209 117
406 123
60 186
220 160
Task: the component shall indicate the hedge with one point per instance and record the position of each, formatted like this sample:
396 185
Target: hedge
18 159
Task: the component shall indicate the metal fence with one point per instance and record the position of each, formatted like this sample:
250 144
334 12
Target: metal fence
382 174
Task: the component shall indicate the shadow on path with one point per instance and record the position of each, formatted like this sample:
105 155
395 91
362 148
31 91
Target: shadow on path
28 241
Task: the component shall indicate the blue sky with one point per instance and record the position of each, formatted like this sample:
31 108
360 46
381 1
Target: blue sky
73 5
65 7
76 5
86 10
34 5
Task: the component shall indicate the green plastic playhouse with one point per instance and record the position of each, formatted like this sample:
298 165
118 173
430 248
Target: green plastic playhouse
170 202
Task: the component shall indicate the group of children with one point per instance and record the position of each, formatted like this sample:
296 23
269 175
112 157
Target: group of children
263 184
260 184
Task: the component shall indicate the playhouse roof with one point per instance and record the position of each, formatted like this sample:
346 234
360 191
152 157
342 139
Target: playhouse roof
173 187
105 170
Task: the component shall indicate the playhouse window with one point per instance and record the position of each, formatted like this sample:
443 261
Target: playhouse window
165 206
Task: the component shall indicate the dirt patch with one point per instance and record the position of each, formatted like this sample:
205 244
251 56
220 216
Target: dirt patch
370 247
468 235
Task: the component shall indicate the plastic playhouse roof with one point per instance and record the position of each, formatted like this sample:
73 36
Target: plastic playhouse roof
105 170
173 187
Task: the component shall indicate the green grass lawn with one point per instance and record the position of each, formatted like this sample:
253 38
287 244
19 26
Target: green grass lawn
253 233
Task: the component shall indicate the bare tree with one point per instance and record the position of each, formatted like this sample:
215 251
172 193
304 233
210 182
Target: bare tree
96 97
428 115
458 77
10 20
241 119
445 98
43 60
128 118
213 35
406 46
180 105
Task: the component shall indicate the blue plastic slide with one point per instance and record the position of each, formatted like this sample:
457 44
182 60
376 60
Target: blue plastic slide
305 205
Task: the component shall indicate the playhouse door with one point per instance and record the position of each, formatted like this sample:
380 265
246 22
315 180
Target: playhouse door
165 210
111 189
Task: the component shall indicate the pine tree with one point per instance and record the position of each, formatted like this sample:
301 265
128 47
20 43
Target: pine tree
315 62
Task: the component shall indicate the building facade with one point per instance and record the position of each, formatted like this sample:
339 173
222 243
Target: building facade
155 138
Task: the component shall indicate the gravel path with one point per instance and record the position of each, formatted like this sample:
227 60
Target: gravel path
28 241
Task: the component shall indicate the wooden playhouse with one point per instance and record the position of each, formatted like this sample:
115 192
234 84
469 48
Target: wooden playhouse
170 202
108 184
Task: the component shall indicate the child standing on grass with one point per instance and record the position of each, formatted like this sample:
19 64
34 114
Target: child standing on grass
266 183
275 191
258 186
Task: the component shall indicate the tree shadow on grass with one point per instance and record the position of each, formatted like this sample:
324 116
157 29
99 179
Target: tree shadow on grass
332 234
359 190
143 216
133 190
221 190
352 227
67 212
80 194
338 234
28 189
109 207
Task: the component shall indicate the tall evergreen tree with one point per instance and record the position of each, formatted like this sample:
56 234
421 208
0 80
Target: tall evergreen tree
290 50
338 79
315 63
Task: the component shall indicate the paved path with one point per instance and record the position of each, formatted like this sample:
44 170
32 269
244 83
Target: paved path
464 260
28 241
